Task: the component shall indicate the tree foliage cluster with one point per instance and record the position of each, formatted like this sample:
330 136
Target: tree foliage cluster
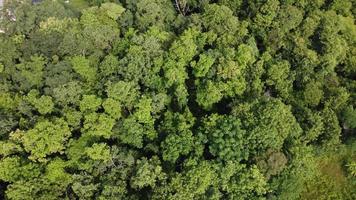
178 100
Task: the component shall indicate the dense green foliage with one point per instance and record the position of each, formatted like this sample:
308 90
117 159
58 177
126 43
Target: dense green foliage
178 100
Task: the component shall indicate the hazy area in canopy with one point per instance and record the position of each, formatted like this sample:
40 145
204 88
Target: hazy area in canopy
181 99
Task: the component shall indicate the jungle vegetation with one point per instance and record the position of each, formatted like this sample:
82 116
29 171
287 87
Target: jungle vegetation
178 100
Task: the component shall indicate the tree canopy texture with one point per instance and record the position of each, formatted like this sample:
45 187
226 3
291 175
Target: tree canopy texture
178 100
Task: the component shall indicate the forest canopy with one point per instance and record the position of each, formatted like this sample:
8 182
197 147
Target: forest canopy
178 100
